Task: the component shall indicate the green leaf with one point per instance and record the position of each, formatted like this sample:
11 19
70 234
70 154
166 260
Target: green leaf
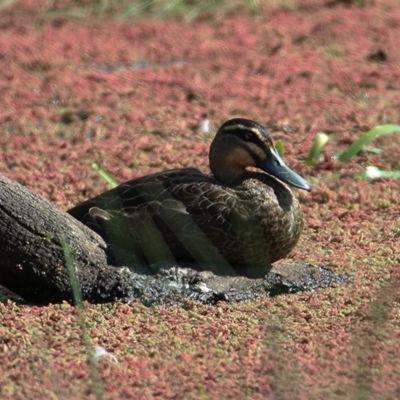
320 141
373 172
105 175
372 150
372 134
279 148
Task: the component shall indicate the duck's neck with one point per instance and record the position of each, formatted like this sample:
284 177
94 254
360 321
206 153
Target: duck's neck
228 164
230 177
227 176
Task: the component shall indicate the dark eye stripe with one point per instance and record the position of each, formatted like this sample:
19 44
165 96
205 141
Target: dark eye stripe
259 137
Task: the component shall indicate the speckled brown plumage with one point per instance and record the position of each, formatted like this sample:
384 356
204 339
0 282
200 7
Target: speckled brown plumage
234 221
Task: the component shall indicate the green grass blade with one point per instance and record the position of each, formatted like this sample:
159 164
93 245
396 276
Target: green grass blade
76 290
374 172
78 301
320 141
372 150
105 175
279 148
372 134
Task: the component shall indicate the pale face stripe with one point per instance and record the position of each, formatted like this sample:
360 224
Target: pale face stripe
265 140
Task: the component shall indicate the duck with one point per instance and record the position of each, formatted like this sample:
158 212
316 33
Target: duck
238 220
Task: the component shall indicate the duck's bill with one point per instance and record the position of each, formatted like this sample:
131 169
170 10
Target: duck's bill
275 166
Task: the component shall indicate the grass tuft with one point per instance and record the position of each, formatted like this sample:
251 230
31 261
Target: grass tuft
125 9
78 301
372 134
105 175
320 141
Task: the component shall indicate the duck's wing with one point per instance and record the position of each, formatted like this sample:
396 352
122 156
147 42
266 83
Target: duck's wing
183 208
166 195
136 192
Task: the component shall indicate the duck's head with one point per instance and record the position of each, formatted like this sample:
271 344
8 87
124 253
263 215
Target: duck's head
241 143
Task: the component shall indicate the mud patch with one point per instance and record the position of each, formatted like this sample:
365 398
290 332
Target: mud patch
178 285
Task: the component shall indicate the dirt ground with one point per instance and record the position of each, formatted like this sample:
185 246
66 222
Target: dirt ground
132 94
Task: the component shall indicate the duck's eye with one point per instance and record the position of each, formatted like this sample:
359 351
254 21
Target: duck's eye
248 135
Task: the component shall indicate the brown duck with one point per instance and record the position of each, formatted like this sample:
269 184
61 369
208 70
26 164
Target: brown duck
235 221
